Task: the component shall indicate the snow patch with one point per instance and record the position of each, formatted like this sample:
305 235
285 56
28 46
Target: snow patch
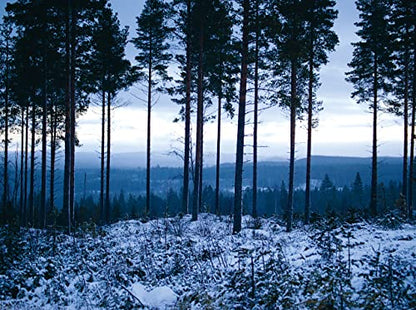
159 297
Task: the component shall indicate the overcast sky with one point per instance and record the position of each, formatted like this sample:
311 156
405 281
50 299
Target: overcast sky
344 126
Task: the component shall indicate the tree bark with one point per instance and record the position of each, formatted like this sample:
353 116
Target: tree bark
102 171
238 186
293 109
148 148
73 117
200 119
185 189
405 123
67 167
218 160
373 197
42 215
107 179
22 141
6 135
256 112
412 155
54 124
309 133
25 205
412 141
201 170
32 167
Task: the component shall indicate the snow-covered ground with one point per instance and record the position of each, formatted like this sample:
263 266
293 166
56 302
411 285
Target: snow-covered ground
178 264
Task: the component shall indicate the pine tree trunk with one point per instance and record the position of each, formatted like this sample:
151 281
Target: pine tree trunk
67 167
25 205
22 141
412 155
107 179
309 142
405 125
102 171
373 198
53 159
148 148
185 189
201 170
32 168
218 161
6 135
42 215
238 185
412 141
73 111
200 107
256 108
293 108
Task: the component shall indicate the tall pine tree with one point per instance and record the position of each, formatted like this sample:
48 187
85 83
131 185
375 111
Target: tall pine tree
320 16
153 59
372 68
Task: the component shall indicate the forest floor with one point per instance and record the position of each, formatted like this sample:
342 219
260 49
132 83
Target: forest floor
174 263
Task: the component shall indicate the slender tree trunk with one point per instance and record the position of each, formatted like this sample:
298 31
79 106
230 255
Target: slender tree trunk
373 198
102 212
42 215
238 185
412 155
293 108
107 187
185 189
405 124
16 181
73 117
6 135
67 168
32 168
22 141
309 133
200 119
256 112
54 125
25 205
149 114
412 143
201 170
218 162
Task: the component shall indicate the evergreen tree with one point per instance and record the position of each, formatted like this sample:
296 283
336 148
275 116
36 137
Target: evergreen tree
288 58
222 68
257 30
320 16
184 9
153 59
403 31
238 188
6 46
357 190
371 69
114 73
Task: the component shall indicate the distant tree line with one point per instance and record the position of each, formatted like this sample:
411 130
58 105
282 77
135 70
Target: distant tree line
56 55
348 202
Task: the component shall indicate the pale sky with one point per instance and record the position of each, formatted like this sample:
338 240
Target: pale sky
344 126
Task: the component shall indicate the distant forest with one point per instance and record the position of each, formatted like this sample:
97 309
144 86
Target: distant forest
238 57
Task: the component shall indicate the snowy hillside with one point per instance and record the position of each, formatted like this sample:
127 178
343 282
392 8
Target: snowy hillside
178 264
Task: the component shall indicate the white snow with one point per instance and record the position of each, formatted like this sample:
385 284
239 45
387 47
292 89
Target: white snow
159 297
172 263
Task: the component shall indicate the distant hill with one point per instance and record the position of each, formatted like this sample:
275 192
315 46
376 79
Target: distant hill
128 174
341 171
